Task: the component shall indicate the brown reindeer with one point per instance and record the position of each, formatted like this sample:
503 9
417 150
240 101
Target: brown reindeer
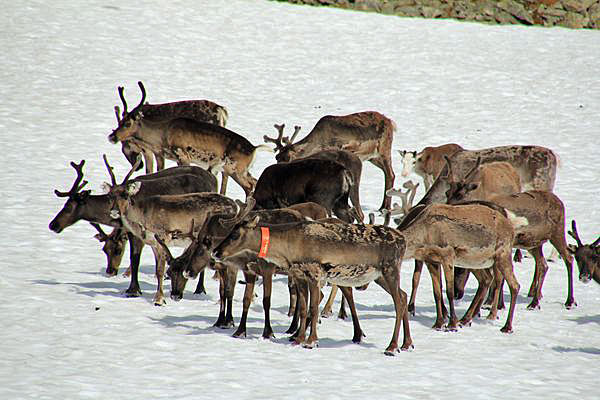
545 212
201 110
314 251
587 257
168 216
367 134
187 141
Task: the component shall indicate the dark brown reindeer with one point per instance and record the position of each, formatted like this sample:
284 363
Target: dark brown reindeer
367 134
82 205
314 251
587 257
201 110
197 257
348 159
324 182
187 141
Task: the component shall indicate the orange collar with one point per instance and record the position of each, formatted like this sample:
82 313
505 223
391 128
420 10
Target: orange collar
264 241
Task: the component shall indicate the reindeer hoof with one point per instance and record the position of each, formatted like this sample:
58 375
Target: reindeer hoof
570 304
326 314
506 329
133 293
411 309
239 334
391 352
310 346
160 303
449 328
407 347
533 306
464 323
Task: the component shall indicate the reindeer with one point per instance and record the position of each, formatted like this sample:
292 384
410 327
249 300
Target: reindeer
324 182
478 236
586 255
313 251
187 141
197 256
165 216
348 159
428 163
498 183
201 110
367 134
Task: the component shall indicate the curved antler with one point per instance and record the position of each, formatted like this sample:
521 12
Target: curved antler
277 141
141 85
117 114
473 170
76 185
574 233
122 96
289 141
110 171
162 244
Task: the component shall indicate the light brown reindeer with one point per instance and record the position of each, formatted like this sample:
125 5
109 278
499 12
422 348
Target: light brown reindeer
543 210
168 216
201 110
187 141
367 134
428 163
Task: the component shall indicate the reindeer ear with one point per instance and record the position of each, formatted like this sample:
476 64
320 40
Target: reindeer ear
105 187
254 222
99 237
133 188
572 248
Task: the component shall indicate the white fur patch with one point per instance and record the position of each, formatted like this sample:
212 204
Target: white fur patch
134 187
515 220
115 214
408 162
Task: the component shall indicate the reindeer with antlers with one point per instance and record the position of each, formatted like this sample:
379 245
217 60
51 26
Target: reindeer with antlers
201 110
587 256
187 141
367 134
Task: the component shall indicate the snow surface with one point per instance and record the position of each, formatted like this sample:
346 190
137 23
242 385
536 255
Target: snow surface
69 333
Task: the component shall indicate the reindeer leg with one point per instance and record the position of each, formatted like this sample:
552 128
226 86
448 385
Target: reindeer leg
436 280
358 333
560 244
509 275
327 312
229 276
250 279
484 277
386 166
540 271
135 250
296 317
391 275
461 276
315 298
267 288
299 336
159 298
449 276
200 286
149 161
293 297
342 313
224 178
493 315
160 162
220 323
416 278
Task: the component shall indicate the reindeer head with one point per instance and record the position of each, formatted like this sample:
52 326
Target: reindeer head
409 158
120 194
586 255
72 210
461 188
241 235
114 247
129 122
284 146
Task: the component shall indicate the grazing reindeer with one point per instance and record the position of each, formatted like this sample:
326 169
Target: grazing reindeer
81 204
313 251
476 236
428 163
367 134
324 182
201 110
197 256
587 257
348 159
187 141
499 183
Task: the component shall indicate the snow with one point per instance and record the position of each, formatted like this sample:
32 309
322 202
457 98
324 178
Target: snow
69 333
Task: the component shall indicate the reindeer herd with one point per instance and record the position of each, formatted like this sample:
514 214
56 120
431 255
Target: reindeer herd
296 220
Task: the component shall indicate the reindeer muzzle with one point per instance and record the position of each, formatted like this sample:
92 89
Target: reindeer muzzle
176 296
55 227
585 278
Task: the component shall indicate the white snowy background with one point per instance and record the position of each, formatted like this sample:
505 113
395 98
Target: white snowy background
67 331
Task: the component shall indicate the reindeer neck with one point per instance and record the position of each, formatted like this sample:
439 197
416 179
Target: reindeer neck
97 209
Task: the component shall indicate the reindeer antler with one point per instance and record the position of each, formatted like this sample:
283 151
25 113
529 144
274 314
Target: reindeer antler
289 141
141 85
277 141
162 244
117 114
110 171
133 169
76 185
574 233
412 189
473 170
122 96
